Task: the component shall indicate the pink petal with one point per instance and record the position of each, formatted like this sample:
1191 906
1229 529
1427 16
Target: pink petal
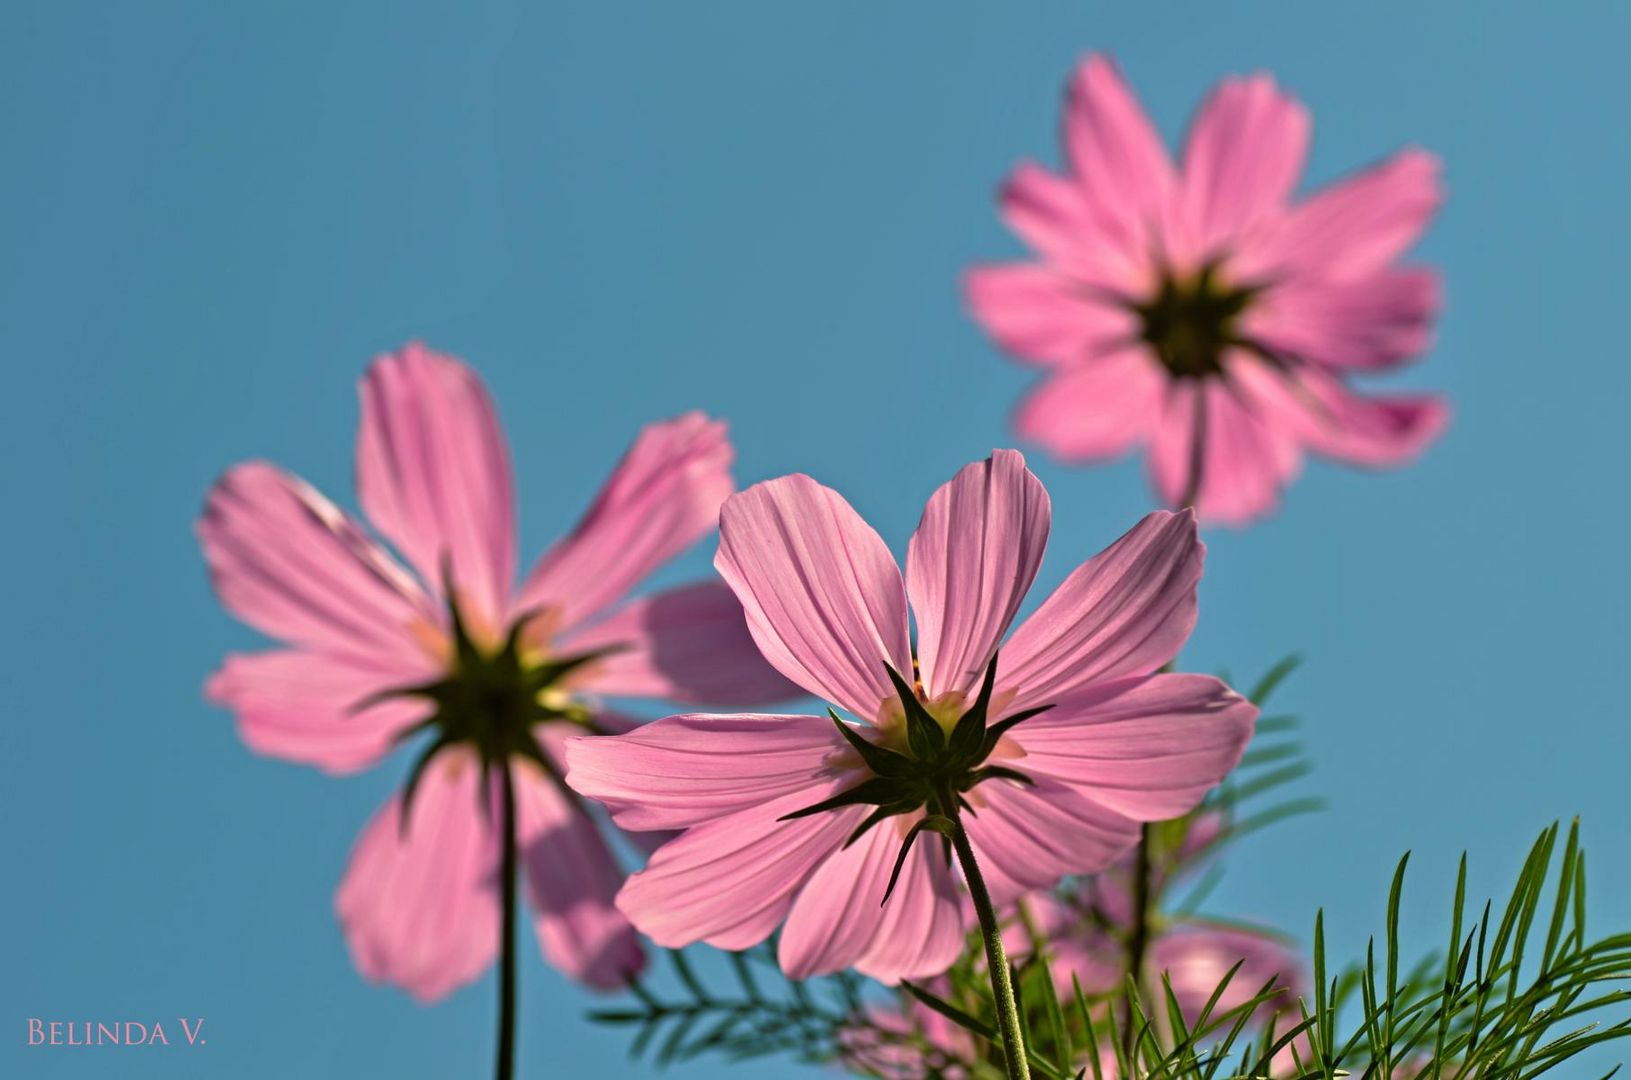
823 597
886 1046
921 929
1100 250
1148 749
1048 212
1096 960
303 706
1197 958
969 564
1116 155
689 644
1244 155
730 882
555 739
663 497
572 879
1096 409
420 910
683 771
1080 950
1038 313
1359 225
433 474
1332 420
1175 457
1370 323
286 561
1126 611
837 923
1027 838
1248 455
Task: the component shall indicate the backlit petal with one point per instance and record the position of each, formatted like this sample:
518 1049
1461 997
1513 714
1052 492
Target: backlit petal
663 497
433 474
1126 611
970 562
731 882
1148 748
572 879
1096 409
304 706
689 770
288 562
689 644
420 908
824 599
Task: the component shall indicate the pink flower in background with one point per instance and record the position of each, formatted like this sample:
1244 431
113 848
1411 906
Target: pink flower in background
909 1043
1199 311
420 901
1077 740
1193 954
1086 927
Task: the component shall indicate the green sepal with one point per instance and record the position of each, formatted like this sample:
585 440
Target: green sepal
1001 728
880 759
410 732
887 810
512 640
968 737
416 774
464 644
996 772
923 732
877 791
932 822
431 691
548 673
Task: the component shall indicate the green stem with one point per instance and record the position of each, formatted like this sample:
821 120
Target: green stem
1197 453
996 959
1138 939
505 1068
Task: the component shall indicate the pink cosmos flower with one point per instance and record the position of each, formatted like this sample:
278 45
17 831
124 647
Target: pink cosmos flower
908 1043
1194 955
1054 752
1086 929
1198 310
420 901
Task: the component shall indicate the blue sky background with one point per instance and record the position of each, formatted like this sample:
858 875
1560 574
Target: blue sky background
214 215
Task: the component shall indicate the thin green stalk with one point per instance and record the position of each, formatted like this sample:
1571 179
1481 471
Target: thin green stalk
1197 456
996 958
1138 939
505 1068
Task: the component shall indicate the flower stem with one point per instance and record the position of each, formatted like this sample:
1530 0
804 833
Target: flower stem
1138 939
505 1068
996 959
1197 453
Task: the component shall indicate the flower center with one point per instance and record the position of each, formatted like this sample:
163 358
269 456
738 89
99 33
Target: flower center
493 699
1191 319
939 758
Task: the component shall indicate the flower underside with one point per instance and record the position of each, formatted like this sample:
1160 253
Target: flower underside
491 700
935 771
1191 320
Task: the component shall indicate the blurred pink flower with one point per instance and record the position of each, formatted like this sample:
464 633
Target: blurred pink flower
775 808
1085 930
1197 310
420 902
1194 954
909 1042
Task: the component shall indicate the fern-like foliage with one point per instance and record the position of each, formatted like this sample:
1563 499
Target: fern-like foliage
1518 991
742 1019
